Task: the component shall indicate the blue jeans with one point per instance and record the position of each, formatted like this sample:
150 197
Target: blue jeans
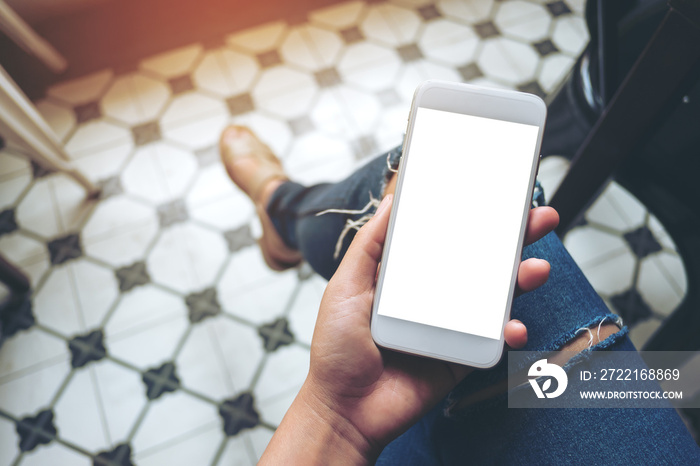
489 432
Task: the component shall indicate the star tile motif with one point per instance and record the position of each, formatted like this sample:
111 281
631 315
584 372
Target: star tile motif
429 12
545 47
240 104
352 35
110 187
64 249
364 146
146 133
486 29
202 305
172 213
388 97
558 8
239 238
410 52
181 84
87 348
132 276
8 224
532 87
631 307
276 334
207 156
642 242
87 112
239 414
328 77
119 456
36 430
301 125
161 380
17 315
38 171
269 59
470 71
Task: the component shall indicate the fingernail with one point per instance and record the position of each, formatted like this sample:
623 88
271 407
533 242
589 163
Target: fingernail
384 204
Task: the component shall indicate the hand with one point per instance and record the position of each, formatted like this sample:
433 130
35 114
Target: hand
357 398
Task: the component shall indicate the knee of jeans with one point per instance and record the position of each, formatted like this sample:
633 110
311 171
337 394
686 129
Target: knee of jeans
601 332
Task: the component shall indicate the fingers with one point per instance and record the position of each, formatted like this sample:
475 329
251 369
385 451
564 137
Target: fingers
356 273
541 220
515 334
532 273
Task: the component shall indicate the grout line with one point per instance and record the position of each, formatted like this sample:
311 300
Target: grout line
220 451
62 388
139 420
100 404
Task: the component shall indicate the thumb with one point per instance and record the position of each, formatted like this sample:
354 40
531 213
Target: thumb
356 273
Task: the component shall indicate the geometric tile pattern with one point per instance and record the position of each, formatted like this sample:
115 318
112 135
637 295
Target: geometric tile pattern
160 380
179 336
238 414
36 430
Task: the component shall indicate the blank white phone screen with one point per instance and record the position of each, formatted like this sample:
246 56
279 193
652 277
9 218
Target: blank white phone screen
458 222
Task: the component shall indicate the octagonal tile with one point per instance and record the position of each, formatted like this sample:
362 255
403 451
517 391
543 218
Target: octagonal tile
142 308
226 72
311 47
448 42
262 301
135 98
54 206
75 297
588 245
26 253
662 281
96 135
212 184
159 173
281 378
191 106
369 66
274 132
82 90
60 118
471 12
119 231
173 63
284 91
508 60
328 114
611 275
390 24
317 157
362 109
415 73
223 372
15 175
341 16
187 257
523 20
555 67
570 34
260 38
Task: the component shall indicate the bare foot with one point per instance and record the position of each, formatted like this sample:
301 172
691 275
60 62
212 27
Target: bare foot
253 167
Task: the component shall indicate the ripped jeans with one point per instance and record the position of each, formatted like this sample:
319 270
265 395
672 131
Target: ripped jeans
489 432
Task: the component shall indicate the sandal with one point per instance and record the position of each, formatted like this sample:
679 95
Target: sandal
246 145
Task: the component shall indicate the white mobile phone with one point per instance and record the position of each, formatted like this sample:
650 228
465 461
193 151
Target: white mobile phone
454 243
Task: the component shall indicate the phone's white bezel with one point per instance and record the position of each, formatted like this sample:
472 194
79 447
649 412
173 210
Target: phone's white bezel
439 343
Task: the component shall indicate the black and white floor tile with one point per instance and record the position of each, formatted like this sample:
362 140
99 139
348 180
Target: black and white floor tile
155 334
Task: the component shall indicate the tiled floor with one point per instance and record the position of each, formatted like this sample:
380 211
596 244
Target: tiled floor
155 334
